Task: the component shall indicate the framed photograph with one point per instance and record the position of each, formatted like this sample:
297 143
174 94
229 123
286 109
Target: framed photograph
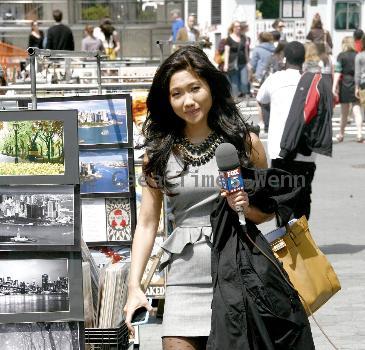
48 335
39 217
107 220
106 172
41 287
103 120
38 147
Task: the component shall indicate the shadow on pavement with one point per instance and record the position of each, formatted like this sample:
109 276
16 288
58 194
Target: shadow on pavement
341 248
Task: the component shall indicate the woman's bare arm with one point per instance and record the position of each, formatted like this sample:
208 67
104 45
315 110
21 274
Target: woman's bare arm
145 234
259 160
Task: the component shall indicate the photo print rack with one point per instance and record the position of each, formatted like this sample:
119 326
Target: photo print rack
42 287
106 163
40 218
38 147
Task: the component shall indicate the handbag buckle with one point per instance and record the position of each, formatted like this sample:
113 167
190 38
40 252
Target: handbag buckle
278 245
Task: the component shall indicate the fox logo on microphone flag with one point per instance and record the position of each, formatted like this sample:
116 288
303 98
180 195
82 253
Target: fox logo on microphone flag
232 180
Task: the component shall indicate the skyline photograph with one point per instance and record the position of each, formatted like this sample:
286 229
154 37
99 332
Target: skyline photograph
31 147
104 171
99 121
34 285
37 215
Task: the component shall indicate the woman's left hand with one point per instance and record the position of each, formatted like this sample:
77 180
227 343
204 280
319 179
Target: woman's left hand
237 200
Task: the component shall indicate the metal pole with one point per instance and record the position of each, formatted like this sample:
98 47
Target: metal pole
33 81
16 143
160 44
98 72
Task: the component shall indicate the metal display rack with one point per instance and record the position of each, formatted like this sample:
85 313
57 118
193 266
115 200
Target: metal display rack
95 338
108 338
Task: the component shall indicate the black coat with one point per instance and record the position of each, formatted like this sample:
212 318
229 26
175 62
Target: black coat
60 37
309 125
253 308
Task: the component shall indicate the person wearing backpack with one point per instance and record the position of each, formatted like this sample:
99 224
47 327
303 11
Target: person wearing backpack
281 91
318 34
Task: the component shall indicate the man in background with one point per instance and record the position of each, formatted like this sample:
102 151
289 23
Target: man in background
278 90
188 33
279 26
177 23
59 36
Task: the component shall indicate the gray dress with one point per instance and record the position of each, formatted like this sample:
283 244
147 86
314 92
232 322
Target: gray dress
188 251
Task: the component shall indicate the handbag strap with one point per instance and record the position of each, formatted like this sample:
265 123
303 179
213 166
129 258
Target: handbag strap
292 287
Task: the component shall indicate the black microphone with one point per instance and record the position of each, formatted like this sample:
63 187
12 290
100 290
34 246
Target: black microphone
230 173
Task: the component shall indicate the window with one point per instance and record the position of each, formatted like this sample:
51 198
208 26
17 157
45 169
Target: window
216 17
193 7
347 15
292 8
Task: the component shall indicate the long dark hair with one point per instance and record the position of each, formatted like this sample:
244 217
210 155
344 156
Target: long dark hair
163 127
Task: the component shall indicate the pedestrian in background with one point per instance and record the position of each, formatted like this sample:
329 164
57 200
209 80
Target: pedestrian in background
109 37
344 86
358 34
90 43
261 55
177 23
311 60
188 32
59 36
36 36
275 64
279 90
235 60
360 87
279 26
318 34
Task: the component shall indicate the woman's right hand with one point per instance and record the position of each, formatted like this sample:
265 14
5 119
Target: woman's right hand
136 299
225 68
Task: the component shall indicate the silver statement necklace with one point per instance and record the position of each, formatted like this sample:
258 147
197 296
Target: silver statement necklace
199 154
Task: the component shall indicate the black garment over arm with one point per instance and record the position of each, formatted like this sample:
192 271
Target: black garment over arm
253 308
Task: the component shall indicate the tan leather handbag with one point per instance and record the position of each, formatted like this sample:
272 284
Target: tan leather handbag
309 270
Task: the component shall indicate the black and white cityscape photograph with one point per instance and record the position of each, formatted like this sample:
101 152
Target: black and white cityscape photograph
36 215
34 286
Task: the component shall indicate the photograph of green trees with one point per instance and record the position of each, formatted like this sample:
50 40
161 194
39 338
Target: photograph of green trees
32 147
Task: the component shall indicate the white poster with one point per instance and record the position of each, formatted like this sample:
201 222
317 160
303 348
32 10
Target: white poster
93 220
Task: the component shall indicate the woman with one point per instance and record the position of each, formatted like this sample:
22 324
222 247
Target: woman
317 34
360 85
235 60
36 36
312 59
344 86
190 111
109 38
90 43
262 54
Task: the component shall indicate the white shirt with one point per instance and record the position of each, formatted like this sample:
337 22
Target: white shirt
278 90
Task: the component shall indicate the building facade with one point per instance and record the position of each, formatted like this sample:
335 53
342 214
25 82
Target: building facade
142 22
